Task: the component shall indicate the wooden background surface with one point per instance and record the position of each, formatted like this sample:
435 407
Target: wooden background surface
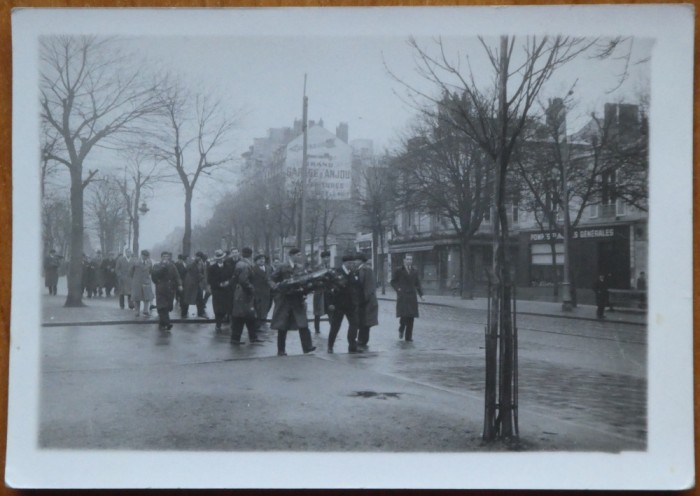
6 201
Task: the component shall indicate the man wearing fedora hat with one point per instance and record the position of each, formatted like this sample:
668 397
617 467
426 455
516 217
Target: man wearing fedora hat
220 275
345 302
167 280
290 309
243 310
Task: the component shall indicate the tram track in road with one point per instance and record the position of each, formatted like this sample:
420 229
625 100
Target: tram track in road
624 332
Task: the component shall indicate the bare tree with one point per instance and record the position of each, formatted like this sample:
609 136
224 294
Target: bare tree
141 172
447 175
376 198
106 211
88 96
494 116
196 130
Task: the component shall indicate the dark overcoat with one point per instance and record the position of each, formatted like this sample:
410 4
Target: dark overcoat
166 278
88 275
109 272
407 287
99 272
221 291
369 306
243 293
51 265
195 281
602 297
346 293
290 309
262 289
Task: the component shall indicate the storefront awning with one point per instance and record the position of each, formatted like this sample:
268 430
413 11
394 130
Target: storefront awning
409 247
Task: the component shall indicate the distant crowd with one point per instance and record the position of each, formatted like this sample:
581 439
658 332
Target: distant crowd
243 289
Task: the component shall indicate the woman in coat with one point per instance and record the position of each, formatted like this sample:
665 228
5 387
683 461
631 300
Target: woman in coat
141 290
406 283
369 306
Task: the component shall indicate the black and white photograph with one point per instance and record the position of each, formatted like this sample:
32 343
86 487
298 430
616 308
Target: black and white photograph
352 248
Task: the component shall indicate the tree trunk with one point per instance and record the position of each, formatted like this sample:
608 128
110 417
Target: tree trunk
466 289
187 237
498 421
137 198
375 257
555 288
382 264
75 267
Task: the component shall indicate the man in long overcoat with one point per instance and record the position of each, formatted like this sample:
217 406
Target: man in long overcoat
220 276
194 286
290 308
320 296
167 280
262 289
109 273
51 265
141 290
99 273
600 288
368 314
345 302
406 283
243 310
88 276
123 269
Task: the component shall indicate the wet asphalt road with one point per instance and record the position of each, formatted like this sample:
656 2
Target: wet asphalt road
592 374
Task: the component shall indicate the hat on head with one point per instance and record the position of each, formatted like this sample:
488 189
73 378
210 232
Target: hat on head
164 253
199 254
259 256
219 254
294 251
325 253
181 256
246 252
349 257
146 252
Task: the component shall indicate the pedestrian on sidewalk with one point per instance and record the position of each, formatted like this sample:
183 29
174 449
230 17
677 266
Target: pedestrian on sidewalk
51 265
243 310
320 297
600 288
141 290
368 315
290 307
220 275
195 284
345 302
406 283
124 269
262 289
167 280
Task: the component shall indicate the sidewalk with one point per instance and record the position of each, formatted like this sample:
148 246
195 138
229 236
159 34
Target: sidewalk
529 307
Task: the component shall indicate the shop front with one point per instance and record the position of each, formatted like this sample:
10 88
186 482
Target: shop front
594 250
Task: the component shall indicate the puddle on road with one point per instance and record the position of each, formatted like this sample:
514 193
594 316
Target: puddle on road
375 394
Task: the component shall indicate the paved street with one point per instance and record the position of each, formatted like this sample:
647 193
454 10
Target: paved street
126 385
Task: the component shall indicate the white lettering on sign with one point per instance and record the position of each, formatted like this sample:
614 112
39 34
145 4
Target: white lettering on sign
606 232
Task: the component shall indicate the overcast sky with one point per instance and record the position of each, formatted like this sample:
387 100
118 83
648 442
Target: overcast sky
260 80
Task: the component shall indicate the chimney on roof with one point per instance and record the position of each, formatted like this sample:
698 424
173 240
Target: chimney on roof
342 131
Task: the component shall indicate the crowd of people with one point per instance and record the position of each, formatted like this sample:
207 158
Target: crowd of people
243 288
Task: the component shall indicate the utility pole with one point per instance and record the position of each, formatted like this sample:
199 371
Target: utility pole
566 300
301 229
